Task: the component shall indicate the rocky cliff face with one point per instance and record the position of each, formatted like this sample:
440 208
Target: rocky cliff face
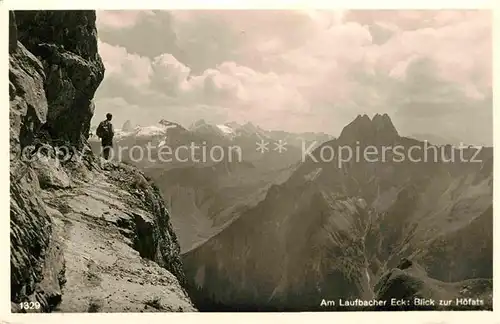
85 237
72 66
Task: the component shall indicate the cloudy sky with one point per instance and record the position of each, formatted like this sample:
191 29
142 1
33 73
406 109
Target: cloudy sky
431 71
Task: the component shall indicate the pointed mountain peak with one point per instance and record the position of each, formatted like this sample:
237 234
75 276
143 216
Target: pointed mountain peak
361 120
233 124
127 126
197 124
383 123
164 122
169 124
379 129
200 122
250 128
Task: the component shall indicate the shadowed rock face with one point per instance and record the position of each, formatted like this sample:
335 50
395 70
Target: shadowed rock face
65 42
85 237
377 130
12 33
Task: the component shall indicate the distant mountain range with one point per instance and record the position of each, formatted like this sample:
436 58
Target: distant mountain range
227 131
205 196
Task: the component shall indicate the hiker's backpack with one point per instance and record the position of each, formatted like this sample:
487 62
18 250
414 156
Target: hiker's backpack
104 129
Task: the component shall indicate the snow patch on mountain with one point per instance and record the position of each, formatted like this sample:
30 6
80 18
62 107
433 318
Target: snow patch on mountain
226 129
146 131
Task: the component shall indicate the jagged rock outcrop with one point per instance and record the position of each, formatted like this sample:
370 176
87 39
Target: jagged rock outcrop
409 281
85 236
72 66
379 129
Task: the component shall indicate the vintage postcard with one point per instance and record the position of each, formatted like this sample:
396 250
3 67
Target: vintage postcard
277 160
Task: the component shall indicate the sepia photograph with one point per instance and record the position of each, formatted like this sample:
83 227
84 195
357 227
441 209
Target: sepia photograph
251 160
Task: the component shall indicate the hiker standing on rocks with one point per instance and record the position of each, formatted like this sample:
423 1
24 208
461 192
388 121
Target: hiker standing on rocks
105 132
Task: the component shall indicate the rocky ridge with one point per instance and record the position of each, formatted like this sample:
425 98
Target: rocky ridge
85 236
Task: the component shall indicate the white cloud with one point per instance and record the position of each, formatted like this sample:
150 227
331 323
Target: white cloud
118 19
306 69
170 75
460 50
129 68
